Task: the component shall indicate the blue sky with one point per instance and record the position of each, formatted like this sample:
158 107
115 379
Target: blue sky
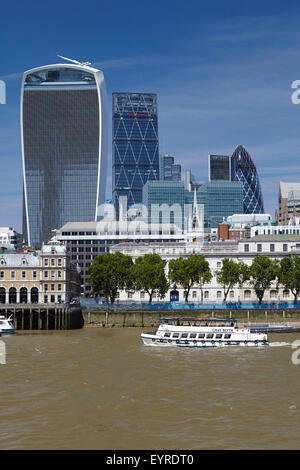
222 71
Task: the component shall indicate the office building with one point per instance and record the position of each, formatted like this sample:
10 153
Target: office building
10 238
135 152
64 147
288 202
244 170
171 171
219 167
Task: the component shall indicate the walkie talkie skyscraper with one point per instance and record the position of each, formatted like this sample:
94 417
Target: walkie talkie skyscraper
64 147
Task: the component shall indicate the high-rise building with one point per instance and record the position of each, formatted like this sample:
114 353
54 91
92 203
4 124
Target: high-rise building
288 202
64 147
171 171
244 170
135 155
219 167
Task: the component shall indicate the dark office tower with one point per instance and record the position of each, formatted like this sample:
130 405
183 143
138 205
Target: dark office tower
171 171
135 155
219 167
244 170
64 147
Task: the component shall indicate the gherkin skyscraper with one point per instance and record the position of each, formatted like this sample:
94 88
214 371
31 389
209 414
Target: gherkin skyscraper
244 170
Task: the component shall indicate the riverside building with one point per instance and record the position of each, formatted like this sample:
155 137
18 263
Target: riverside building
64 147
45 276
276 247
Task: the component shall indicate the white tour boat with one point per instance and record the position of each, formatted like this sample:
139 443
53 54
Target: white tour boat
6 325
202 332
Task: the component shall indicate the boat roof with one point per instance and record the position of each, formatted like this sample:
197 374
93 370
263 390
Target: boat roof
198 319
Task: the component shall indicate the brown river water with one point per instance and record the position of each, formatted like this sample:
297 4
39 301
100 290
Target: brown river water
103 389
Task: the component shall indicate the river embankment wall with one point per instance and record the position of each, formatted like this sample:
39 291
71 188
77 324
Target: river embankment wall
150 318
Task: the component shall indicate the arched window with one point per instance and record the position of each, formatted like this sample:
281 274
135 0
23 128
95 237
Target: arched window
273 294
2 295
12 295
34 295
286 294
23 295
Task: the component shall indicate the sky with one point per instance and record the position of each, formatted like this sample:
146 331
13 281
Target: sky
223 73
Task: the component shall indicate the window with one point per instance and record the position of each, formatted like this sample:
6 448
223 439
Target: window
227 336
1 274
206 294
286 294
46 274
52 287
46 287
23 274
209 336
59 274
59 287
130 295
193 335
219 336
142 295
246 247
184 335
46 262
247 294
272 247
59 263
285 247
12 275
259 247
52 262
34 276
52 274
167 335
273 294
175 335
201 335
219 294
231 294
52 299
194 294
45 299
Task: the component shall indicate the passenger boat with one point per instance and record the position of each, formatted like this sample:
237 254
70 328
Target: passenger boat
6 325
202 333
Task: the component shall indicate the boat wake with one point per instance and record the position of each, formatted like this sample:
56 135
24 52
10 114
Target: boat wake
280 343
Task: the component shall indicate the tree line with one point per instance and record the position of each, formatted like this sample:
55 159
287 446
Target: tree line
111 272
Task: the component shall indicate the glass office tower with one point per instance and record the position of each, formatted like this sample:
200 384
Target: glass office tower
64 147
135 156
170 171
244 170
219 167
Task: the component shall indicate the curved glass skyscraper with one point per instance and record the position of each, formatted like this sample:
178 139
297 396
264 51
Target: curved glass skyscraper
244 170
64 147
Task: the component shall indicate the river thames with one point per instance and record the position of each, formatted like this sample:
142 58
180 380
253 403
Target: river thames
100 388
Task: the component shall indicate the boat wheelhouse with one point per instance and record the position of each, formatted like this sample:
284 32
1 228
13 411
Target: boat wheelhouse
6 325
202 332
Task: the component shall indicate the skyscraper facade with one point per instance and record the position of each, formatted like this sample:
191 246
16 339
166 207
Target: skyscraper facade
135 155
64 147
219 167
171 171
244 170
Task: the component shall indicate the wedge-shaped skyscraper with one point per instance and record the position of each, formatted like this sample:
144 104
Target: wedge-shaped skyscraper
64 147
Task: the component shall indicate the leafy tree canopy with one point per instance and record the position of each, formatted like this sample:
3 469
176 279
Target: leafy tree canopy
149 275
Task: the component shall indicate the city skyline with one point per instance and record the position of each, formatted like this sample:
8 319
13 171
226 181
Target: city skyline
222 76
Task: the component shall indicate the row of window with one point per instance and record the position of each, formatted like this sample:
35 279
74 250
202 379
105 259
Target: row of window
52 262
197 336
259 247
195 294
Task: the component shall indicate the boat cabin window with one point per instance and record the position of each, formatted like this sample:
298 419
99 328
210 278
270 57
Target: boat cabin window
227 336
167 335
193 335
184 335
218 336
209 335
175 335
201 335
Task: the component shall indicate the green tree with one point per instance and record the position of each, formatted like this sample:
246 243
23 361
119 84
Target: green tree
148 274
263 271
109 273
289 274
231 274
190 271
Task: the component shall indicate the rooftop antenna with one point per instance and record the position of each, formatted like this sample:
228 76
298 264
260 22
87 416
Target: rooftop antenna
74 61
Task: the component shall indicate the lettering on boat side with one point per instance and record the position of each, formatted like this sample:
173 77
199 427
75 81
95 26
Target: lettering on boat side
152 459
2 352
